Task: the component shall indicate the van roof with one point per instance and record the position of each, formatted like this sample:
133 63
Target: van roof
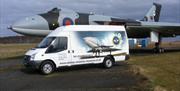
91 28
86 28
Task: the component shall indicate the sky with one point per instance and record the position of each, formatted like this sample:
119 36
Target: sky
13 10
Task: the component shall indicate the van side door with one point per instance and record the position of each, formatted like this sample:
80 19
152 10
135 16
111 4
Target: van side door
64 55
60 51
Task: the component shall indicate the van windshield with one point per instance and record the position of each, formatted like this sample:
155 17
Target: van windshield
45 42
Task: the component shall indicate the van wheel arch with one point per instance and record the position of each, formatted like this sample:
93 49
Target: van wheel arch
111 56
49 61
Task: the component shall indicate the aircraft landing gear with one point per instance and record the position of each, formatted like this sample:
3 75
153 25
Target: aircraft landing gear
158 49
157 38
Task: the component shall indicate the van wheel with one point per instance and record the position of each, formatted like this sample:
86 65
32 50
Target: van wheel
108 62
47 67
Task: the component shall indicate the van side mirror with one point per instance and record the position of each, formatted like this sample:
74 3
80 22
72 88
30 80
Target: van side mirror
50 49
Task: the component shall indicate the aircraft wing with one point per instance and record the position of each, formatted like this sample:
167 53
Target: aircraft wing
104 50
104 46
110 50
142 29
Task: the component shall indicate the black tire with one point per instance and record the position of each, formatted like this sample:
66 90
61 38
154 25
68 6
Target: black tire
47 67
159 50
162 50
108 62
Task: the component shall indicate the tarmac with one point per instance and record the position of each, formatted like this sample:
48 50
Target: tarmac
77 78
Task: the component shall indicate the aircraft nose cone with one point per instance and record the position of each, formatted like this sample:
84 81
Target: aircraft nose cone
9 27
34 22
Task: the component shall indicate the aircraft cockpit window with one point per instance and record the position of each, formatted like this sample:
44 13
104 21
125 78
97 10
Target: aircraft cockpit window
54 10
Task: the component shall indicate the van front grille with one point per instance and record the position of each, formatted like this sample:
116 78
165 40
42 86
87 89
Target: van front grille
27 58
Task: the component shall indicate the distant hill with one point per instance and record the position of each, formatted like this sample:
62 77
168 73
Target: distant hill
171 39
20 39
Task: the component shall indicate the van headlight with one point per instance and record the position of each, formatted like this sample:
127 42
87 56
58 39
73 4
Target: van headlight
33 56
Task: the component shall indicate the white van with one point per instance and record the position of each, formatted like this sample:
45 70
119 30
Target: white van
77 45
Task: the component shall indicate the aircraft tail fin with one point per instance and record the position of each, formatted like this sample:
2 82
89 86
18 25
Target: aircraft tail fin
153 14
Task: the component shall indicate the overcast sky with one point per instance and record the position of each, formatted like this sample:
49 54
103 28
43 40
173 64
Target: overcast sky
13 10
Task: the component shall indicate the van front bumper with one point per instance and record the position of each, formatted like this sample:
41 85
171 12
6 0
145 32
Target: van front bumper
31 63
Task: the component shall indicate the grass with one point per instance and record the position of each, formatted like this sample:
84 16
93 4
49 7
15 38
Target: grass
9 51
162 69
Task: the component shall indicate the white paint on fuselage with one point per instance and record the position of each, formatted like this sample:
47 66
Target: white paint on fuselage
34 32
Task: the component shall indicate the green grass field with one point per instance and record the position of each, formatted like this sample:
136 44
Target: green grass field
8 51
163 70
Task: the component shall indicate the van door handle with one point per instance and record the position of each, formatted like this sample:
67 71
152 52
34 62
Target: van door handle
72 51
68 51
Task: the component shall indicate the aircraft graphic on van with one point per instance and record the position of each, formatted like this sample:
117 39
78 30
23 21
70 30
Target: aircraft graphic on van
98 48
